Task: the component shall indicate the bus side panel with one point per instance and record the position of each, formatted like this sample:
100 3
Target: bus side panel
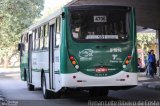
39 64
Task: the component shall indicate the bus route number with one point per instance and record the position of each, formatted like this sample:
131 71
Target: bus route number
100 19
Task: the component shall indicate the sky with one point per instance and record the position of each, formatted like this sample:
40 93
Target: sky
50 3
50 6
54 4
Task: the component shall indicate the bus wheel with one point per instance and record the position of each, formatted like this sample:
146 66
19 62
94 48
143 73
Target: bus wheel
46 93
98 92
25 75
30 86
56 95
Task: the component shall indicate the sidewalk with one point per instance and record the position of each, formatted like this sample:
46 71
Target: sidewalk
9 70
148 82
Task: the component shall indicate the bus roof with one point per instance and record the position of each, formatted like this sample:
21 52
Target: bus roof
91 2
70 4
43 21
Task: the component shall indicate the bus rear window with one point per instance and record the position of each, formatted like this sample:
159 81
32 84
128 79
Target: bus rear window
99 24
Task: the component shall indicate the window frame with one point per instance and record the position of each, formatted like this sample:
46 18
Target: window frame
46 36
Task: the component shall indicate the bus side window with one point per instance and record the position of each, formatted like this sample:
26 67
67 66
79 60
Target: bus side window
58 30
35 42
34 36
26 41
41 36
26 38
37 38
22 39
46 40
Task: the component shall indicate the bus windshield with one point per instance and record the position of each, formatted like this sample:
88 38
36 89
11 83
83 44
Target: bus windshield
108 24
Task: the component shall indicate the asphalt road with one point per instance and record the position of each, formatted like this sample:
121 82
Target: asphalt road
16 94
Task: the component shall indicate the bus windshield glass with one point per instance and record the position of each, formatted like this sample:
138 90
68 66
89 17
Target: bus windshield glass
100 24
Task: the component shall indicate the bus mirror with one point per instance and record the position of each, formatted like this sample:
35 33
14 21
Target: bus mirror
20 46
63 15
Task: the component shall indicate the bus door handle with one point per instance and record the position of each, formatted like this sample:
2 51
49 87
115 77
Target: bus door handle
101 47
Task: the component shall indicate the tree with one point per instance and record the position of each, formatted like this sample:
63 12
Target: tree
15 16
145 41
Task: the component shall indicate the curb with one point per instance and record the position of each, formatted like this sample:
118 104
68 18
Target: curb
151 86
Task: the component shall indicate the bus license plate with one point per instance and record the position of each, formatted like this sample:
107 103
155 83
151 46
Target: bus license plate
101 70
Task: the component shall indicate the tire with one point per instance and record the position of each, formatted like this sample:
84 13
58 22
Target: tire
46 93
98 92
56 95
30 86
25 75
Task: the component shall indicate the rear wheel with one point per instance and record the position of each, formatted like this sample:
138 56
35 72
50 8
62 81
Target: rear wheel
98 92
46 93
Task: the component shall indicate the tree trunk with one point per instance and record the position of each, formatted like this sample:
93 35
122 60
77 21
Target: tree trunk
2 61
6 61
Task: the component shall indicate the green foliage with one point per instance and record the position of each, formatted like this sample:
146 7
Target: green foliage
145 40
15 16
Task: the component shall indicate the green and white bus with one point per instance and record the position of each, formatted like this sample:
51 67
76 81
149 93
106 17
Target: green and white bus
86 47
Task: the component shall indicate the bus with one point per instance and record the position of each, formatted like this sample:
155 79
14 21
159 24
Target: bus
86 47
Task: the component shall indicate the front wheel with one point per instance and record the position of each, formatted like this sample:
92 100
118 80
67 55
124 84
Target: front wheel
98 92
30 87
